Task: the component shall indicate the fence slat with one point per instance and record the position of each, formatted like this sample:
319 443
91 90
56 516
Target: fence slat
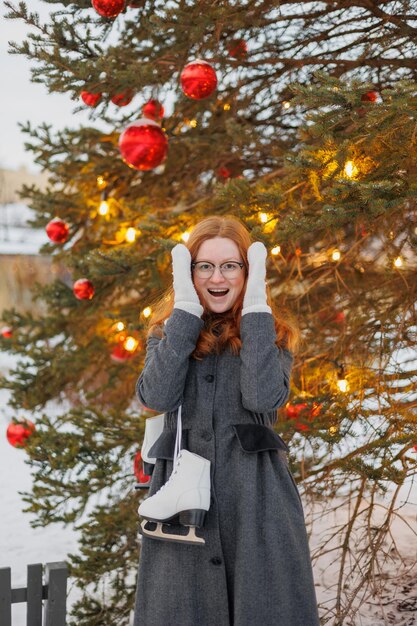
34 595
55 606
5 596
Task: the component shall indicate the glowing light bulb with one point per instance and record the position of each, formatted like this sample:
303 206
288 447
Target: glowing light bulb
130 235
263 217
343 384
130 344
336 255
226 107
286 104
398 262
101 182
333 430
185 236
192 123
103 209
276 250
120 326
350 169
147 311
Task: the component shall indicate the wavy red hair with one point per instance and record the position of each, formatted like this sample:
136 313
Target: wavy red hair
221 330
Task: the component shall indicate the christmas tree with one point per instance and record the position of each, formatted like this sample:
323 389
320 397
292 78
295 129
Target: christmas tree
301 120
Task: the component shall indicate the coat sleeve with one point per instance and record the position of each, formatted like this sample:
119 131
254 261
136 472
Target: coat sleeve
265 369
160 386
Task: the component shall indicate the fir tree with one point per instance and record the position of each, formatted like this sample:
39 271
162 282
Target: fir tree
320 170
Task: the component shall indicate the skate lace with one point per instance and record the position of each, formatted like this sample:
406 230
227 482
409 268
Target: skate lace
175 470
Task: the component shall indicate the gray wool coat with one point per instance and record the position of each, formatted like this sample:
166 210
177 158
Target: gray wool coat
255 566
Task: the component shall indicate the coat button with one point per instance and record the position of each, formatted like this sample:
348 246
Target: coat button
209 378
216 560
206 435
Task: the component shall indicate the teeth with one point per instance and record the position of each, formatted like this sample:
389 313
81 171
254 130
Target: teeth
218 290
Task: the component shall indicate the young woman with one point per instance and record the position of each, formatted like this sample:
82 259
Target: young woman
218 349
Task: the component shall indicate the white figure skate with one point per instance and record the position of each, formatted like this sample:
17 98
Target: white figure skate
186 495
153 430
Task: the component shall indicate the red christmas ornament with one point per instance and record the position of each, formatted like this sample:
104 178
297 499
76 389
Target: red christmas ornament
120 354
140 476
238 49
6 332
198 80
153 109
224 172
108 8
57 230
143 145
90 99
302 409
18 433
83 289
122 99
371 96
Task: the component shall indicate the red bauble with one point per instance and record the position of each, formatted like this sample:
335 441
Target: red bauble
18 433
198 80
83 289
122 99
237 48
108 8
371 96
6 332
143 145
303 410
57 230
224 172
120 355
140 476
153 109
90 99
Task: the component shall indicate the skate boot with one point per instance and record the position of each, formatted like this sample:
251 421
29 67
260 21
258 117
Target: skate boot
153 430
186 495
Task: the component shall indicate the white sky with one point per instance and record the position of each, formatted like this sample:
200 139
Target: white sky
23 100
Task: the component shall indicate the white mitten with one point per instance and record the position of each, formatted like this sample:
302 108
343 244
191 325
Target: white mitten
255 294
185 295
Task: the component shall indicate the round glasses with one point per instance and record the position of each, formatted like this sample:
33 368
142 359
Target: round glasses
204 269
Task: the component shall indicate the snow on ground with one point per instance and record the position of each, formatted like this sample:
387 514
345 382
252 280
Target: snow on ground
20 544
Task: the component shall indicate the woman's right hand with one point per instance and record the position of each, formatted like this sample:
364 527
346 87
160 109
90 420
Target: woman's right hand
185 295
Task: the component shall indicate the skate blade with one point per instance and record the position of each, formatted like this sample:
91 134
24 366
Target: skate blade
158 533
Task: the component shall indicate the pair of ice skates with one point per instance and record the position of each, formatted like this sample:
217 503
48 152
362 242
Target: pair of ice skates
185 497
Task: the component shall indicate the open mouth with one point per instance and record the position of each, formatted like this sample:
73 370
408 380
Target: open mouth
218 293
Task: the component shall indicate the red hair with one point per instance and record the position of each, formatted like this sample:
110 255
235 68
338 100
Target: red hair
221 330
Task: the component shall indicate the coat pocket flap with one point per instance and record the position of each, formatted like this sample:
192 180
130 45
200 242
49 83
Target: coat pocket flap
258 437
164 446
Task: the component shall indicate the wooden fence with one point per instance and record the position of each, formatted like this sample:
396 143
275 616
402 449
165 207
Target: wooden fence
49 598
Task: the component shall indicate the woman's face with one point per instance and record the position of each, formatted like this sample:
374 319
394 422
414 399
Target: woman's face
218 250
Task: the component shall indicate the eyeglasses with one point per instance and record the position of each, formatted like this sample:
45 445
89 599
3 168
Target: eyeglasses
230 269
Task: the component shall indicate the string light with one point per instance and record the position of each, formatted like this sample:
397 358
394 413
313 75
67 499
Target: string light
398 262
336 255
101 182
333 430
147 311
192 123
276 250
130 344
103 209
263 217
350 169
185 236
226 107
342 383
286 104
130 235
120 326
